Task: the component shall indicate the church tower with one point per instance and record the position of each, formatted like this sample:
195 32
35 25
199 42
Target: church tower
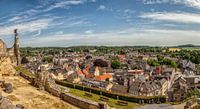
16 47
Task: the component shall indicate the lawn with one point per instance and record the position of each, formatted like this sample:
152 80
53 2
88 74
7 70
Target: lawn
111 102
24 71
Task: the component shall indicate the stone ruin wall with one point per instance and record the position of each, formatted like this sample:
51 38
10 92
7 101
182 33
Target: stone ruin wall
45 82
6 67
80 102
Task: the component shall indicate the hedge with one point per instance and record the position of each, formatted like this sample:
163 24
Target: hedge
125 97
78 87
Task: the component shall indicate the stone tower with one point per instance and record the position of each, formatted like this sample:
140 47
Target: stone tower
16 47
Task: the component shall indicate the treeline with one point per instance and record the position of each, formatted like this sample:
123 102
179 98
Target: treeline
192 55
162 61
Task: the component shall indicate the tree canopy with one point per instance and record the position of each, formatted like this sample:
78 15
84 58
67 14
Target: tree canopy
100 63
115 64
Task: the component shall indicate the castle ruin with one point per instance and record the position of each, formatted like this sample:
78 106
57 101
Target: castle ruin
13 53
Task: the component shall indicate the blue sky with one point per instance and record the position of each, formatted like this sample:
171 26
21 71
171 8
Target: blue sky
100 22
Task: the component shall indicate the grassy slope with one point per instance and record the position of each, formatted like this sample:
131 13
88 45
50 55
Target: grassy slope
111 102
24 71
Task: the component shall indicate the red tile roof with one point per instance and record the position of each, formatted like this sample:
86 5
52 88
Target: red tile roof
79 72
86 73
121 57
103 77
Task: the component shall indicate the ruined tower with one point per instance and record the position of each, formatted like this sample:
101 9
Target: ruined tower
16 47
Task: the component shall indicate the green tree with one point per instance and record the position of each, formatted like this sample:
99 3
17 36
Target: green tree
173 55
115 64
48 59
24 60
153 62
174 64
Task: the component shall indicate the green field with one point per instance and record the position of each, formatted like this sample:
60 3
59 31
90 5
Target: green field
190 48
111 102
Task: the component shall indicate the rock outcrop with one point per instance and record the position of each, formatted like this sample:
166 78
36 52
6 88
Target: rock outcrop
6 67
6 103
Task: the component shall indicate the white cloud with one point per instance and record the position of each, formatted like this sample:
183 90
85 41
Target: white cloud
129 36
127 15
189 3
14 18
46 5
64 4
93 0
193 3
101 7
89 32
174 17
59 32
127 10
59 37
75 21
26 27
155 1
39 32
76 24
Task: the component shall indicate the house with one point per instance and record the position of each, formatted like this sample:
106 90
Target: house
179 90
73 78
70 72
192 82
142 78
139 72
142 64
164 85
158 70
119 89
80 74
96 72
91 83
121 57
121 79
198 69
149 88
104 77
45 66
59 61
188 65
97 84
168 70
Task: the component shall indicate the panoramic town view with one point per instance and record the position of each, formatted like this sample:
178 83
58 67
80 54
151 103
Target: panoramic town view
99 54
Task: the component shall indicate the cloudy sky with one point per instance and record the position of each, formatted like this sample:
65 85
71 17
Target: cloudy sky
100 22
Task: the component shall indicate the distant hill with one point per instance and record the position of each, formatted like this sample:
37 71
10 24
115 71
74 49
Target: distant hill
189 45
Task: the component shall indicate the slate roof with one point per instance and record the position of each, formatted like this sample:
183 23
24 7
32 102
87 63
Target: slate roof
119 88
